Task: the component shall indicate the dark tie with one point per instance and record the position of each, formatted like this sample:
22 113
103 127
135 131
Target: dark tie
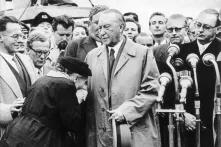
112 59
20 71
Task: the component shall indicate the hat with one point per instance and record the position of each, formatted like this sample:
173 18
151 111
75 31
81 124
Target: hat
75 65
42 17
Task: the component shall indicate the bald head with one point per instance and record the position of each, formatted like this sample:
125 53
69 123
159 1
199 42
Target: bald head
176 28
116 14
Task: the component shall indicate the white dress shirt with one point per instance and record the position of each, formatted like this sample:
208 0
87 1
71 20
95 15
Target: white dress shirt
116 48
202 48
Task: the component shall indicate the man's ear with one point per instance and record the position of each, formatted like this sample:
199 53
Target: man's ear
218 29
122 27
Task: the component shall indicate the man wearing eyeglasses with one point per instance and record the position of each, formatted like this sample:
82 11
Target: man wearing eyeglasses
38 49
16 71
206 42
176 29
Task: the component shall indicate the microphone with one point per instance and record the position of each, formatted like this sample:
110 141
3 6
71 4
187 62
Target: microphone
192 59
173 49
177 63
208 59
164 80
185 83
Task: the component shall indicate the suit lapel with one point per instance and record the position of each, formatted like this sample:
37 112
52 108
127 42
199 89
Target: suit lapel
102 56
212 48
9 77
28 66
122 59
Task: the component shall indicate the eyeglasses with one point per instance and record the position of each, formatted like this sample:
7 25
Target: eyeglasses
176 29
40 52
204 26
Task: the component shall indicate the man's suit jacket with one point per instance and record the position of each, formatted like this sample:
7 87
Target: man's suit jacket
9 87
161 55
133 92
206 78
79 48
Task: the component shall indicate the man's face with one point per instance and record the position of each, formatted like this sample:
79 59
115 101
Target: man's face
205 27
62 34
39 52
131 30
176 30
158 25
93 27
11 37
46 27
110 29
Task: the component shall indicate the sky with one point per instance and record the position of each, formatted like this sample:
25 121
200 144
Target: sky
144 8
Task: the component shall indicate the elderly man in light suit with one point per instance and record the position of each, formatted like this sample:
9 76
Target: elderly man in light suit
16 71
124 90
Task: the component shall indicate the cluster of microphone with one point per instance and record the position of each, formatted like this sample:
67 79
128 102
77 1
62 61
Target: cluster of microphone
183 81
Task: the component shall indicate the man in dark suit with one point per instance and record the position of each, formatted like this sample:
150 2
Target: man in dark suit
16 71
206 42
176 28
79 48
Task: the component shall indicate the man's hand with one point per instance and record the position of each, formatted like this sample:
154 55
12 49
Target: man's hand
118 116
16 106
190 121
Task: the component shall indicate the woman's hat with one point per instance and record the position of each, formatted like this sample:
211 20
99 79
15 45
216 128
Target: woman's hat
75 65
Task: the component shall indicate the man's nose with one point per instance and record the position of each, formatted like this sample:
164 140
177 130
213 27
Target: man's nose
174 32
201 28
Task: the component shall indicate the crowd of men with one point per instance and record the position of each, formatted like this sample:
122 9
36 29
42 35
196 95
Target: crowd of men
125 64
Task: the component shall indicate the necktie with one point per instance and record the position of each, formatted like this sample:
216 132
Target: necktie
112 59
20 71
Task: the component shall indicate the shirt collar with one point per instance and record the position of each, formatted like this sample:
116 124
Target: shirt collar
116 47
202 48
98 44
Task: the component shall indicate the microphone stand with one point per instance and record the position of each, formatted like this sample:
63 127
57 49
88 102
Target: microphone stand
208 59
171 126
218 108
197 98
197 108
